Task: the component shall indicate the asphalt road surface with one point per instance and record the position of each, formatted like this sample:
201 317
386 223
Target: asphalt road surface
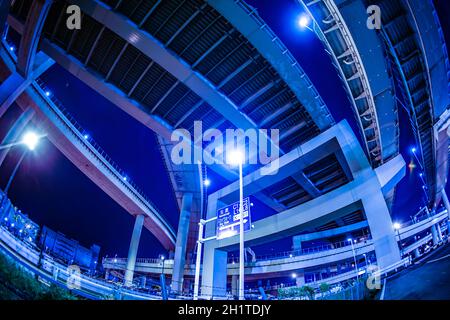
428 279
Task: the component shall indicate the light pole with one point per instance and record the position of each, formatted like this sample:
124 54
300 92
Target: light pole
31 140
354 258
237 157
163 260
356 266
413 150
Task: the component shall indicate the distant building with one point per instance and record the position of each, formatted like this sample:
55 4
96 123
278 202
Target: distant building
69 250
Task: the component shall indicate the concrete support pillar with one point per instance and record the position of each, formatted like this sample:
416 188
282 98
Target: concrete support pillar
416 253
180 246
214 275
16 131
382 231
132 252
187 286
234 285
436 233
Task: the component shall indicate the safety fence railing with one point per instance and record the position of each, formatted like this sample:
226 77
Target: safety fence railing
306 251
294 63
422 215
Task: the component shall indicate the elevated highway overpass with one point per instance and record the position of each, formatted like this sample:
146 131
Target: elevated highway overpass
415 76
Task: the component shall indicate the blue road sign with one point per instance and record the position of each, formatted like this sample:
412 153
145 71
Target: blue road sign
228 219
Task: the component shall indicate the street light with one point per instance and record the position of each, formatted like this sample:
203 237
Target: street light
413 150
206 182
31 140
163 260
236 157
354 257
304 21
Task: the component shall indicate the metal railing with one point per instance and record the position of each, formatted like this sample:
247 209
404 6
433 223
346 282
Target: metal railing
421 216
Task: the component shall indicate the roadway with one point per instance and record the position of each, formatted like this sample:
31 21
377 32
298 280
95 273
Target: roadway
427 279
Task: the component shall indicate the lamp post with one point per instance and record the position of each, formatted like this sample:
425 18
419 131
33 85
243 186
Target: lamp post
413 150
354 258
397 227
236 157
163 262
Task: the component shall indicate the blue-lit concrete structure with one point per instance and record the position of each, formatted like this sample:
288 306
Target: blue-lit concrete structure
168 63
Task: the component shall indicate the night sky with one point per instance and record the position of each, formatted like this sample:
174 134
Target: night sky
55 193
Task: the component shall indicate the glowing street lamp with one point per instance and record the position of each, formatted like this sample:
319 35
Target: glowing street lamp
236 157
303 22
206 182
354 257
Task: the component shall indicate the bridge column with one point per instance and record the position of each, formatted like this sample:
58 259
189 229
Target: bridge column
416 253
4 10
16 131
132 252
13 86
31 35
234 285
180 246
297 243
